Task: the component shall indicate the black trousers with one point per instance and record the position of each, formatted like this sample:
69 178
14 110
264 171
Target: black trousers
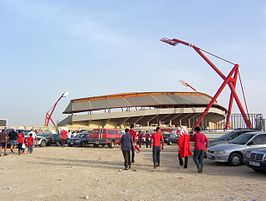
126 155
148 142
133 154
181 162
156 151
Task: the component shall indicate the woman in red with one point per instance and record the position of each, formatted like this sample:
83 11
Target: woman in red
20 143
184 147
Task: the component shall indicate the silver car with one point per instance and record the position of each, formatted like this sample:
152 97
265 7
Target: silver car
235 151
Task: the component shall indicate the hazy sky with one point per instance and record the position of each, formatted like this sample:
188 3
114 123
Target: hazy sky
102 47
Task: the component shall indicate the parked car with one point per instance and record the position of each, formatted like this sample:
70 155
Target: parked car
229 136
105 136
79 140
173 138
235 151
52 139
257 159
166 135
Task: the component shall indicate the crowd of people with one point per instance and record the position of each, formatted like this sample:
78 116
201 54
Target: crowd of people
17 140
132 141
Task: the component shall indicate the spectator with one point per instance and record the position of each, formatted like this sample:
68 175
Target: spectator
30 143
20 143
184 147
13 137
147 139
64 137
126 147
3 142
157 145
201 145
133 136
139 139
34 135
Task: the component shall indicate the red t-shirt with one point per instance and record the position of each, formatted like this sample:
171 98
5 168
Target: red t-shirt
147 136
157 137
133 134
30 141
140 136
20 138
201 141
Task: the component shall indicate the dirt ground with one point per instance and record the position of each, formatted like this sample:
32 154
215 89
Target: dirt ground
71 173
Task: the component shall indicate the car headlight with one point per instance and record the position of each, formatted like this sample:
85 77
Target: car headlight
220 152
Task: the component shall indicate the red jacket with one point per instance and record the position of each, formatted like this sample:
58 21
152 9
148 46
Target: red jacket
201 141
184 146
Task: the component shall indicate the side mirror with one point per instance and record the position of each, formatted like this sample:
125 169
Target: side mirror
251 143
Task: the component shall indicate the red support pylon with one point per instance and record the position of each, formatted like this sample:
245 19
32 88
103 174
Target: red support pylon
229 80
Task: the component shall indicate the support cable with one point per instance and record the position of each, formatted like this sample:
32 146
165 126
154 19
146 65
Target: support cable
244 95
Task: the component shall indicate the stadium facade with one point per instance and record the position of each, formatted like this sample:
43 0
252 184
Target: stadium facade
143 109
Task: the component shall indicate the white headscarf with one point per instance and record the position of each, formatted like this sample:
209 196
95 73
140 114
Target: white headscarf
183 131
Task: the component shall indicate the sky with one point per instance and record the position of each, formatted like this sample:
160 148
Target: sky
91 48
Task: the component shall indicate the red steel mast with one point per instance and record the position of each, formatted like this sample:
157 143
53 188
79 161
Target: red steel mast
230 80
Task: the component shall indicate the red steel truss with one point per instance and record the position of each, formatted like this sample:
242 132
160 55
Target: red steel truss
229 80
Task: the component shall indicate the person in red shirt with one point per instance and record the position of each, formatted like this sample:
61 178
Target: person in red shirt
30 144
201 145
147 139
20 143
64 137
133 136
139 139
157 145
184 147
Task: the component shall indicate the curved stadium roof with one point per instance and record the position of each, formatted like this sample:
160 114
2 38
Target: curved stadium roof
141 99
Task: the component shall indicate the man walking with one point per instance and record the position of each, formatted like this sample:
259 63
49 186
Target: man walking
133 136
157 145
126 146
3 142
201 145
147 139
184 147
139 139
64 137
13 136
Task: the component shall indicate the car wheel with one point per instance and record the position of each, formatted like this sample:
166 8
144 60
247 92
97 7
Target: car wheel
43 143
112 144
82 144
95 145
235 159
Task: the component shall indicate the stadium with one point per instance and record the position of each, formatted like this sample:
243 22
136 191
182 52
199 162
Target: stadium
143 109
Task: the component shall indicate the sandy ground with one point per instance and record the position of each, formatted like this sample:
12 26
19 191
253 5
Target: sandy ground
70 173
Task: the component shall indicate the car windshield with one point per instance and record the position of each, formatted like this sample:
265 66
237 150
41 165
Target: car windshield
227 135
81 136
242 139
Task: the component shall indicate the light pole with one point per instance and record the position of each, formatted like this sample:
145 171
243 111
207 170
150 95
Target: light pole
48 116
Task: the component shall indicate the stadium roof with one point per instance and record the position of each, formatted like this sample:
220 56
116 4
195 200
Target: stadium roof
141 99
